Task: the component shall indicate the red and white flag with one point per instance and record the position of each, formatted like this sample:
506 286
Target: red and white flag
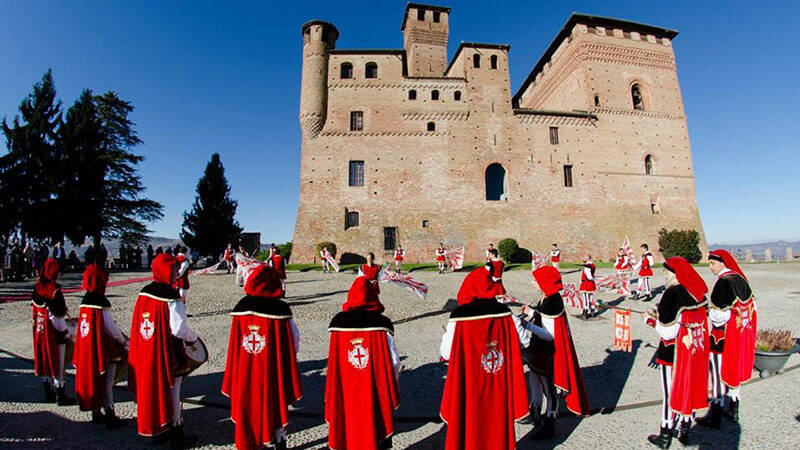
208 270
327 256
571 296
416 287
455 258
626 247
538 260
619 283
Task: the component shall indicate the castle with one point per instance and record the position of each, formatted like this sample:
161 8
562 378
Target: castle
403 146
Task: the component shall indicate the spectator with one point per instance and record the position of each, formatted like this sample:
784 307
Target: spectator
29 255
88 255
195 258
102 255
150 255
137 259
73 262
168 250
59 253
159 251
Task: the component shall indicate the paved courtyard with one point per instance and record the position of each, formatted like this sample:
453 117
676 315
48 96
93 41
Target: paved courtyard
624 392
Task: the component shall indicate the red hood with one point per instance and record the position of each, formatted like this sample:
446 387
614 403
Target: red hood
264 282
362 296
95 279
162 268
476 285
687 277
549 280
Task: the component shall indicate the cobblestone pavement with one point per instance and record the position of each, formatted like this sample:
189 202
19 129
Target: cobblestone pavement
619 384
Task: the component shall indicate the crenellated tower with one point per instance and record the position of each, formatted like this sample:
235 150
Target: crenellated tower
318 39
425 32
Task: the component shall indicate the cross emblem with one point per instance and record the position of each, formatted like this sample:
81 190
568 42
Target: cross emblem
358 356
253 343
146 329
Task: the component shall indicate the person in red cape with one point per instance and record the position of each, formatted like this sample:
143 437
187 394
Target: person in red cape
182 282
734 317
371 272
588 288
645 267
261 374
560 376
485 391
51 333
495 268
99 350
228 256
682 353
277 262
157 358
361 388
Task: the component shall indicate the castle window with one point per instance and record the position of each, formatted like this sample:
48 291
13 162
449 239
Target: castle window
568 176
424 224
356 173
346 71
412 94
350 219
654 207
356 120
431 126
436 15
648 165
636 97
476 61
457 96
554 135
493 61
389 238
596 100
371 70
420 14
434 95
496 182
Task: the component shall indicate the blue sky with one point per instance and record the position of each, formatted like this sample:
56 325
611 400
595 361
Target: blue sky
211 77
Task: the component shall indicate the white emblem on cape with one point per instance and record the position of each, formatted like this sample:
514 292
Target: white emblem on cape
358 356
254 342
492 360
146 328
39 322
84 327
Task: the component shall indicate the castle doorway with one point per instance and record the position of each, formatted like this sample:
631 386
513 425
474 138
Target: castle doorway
496 182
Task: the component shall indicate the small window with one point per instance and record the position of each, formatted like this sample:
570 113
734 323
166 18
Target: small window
356 173
636 97
434 95
420 14
351 219
495 178
476 61
436 15
371 70
356 120
424 224
596 100
347 70
457 96
568 176
431 126
389 238
412 94
654 207
554 135
493 61
648 165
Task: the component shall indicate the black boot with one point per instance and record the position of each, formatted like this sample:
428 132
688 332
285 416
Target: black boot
179 440
546 431
733 411
682 431
281 445
49 392
663 439
97 417
534 416
712 418
647 298
112 421
62 399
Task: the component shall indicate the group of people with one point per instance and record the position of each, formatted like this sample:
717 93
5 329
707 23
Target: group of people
18 261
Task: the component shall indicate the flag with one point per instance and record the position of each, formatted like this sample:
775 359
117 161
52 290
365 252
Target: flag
626 247
537 260
622 330
416 287
619 283
208 270
455 258
571 296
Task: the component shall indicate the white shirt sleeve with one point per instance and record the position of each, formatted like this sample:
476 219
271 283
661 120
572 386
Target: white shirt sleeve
588 272
719 317
295 336
184 267
178 322
651 260
524 339
668 332
393 352
447 341
59 323
111 327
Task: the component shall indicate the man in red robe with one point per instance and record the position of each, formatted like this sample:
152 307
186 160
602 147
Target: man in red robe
361 389
495 267
485 391
277 262
733 314
157 358
371 272
682 353
261 375
99 349
50 333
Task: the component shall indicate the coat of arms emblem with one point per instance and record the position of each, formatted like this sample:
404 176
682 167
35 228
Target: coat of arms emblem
358 356
39 322
146 328
84 326
254 342
492 360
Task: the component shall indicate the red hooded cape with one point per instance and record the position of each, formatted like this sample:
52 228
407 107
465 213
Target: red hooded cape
361 390
154 352
277 264
261 375
567 374
495 270
485 389
690 370
93 347
46 298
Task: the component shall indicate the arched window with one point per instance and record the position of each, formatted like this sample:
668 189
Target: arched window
431 126
434 95
493 61
648 165
371 70
476 61
597 100
412 94
637 98
457 96
347 70
496 182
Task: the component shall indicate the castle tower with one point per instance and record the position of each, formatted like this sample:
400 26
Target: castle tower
425 31
318 38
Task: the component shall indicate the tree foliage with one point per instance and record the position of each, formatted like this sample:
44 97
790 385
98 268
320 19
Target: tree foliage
685 243
329 245
508 249
211 223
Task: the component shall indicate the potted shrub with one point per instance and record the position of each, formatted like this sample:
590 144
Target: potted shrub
773 349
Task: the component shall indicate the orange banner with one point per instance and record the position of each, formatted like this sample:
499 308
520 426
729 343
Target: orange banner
622 330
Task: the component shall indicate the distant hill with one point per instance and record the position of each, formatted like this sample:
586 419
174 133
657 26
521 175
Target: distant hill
777 248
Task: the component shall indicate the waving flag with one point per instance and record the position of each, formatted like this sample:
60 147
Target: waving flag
626 247
571 296
416 287
455 258
537 260
619 283
208 270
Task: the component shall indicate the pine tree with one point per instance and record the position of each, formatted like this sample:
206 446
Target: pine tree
211 224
